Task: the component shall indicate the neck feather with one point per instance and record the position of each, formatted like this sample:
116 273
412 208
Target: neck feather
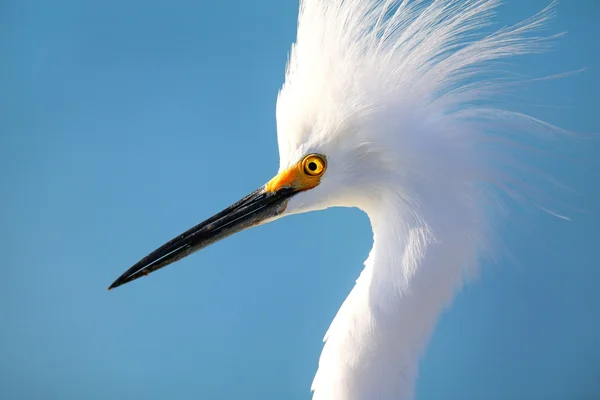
417 263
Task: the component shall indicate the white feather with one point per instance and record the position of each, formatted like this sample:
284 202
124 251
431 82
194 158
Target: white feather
399 96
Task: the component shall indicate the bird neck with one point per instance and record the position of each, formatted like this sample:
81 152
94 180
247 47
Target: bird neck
413 270
419 256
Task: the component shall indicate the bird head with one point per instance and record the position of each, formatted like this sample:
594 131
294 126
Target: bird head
351 126
317 174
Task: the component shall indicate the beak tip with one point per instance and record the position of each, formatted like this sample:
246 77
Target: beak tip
115 284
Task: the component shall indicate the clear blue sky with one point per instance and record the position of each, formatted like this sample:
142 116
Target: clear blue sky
124 123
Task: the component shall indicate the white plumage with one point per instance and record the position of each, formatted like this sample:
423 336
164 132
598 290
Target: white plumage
399 95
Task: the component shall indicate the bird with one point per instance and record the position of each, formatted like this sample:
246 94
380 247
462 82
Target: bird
394 107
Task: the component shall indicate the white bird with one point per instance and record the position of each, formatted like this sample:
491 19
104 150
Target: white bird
390 106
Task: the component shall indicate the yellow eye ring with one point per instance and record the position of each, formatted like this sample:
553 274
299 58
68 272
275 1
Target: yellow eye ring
314 165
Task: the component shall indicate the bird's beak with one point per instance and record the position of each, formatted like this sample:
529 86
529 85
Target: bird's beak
259 206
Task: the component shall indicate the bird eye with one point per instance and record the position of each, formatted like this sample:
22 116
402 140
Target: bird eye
314 165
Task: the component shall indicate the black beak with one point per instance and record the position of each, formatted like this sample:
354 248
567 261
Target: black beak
253 209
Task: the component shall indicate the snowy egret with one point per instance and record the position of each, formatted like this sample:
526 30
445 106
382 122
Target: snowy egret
388 106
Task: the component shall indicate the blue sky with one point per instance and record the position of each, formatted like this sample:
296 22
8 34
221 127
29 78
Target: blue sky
124 123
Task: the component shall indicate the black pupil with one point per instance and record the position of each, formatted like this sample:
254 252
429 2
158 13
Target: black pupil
312 166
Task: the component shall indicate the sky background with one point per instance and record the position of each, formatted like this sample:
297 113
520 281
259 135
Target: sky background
123 123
